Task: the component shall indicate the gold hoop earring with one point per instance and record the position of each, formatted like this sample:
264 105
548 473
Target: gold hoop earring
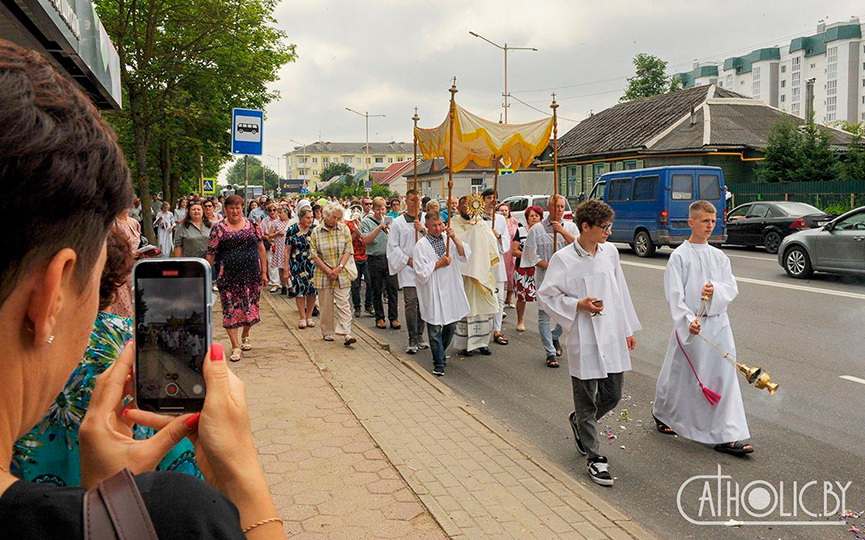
50 339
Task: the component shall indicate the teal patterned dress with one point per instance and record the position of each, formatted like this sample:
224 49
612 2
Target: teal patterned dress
48 454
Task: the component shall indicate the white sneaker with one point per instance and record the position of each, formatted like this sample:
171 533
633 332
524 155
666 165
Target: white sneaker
423 345
412 349
599 470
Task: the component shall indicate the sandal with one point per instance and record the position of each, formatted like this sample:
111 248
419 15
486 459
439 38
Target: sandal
552 362
247 346
521 327
380 324
662 427
735 448
235 355
500 339
558 347
310 323
349 341
328 337
302 324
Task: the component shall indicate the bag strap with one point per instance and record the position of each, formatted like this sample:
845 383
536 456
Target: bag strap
115 509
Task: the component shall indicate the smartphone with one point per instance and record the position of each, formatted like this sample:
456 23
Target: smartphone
172 305
388 220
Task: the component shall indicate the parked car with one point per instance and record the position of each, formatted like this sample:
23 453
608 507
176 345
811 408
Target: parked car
837 247
651 204
519 203
766 223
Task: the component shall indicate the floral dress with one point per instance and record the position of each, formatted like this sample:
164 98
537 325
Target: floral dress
302 267
277 245
49 454
239 279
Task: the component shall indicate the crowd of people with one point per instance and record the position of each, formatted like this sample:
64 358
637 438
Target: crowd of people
65 296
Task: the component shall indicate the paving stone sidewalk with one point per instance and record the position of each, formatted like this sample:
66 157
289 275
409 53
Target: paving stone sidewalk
328 477
476 479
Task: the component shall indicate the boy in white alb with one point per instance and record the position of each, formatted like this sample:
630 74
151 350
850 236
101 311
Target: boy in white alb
695 271
584 291
440 291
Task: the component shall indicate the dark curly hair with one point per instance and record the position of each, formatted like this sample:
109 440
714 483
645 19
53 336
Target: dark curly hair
118 266
593 212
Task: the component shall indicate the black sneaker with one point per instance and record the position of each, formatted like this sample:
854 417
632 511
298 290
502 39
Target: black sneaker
486 351
438 371
572 419
315 312
369 311
599 470
284 291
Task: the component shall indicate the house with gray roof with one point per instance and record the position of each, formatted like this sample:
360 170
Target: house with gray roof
704 125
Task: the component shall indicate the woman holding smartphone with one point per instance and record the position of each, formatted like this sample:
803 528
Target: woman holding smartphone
57 152
237 244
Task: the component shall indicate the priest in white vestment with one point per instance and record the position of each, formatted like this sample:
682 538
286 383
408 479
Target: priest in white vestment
473 331
585 291
696 269
440 289
405 231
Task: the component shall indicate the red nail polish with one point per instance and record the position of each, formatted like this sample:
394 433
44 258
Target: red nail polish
217 354
125 412
192 421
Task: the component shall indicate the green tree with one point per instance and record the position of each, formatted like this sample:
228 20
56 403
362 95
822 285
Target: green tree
334 169
819 161
257 170
184 65
783 158
854 161
650 79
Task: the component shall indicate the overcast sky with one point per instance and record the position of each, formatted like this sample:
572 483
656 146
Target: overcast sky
389 56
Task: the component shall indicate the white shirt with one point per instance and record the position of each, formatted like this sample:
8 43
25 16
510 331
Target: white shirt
440 292
596 346
539 246
400 247
504 244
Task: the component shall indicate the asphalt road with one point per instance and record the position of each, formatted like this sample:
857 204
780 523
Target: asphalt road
807 334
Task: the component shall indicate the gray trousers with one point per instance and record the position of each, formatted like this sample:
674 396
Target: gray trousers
593 398
413 323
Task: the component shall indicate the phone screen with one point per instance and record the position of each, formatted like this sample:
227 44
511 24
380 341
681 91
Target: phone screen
172 333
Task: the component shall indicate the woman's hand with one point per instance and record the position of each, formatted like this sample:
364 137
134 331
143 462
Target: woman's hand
264 279
105 437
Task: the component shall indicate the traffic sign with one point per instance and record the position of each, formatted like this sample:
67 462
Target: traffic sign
247 131
208 186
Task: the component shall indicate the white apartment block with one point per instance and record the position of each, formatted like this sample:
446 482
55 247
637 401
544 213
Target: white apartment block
834 57
306 162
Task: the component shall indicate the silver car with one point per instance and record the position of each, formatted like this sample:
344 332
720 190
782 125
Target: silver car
837 247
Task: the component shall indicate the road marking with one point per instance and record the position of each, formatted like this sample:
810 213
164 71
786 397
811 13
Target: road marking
854 379
769 283
773 259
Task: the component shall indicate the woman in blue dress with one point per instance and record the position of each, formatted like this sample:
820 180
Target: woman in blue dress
300 267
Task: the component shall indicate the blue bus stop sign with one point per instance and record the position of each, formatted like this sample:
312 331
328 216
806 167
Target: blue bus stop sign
247 132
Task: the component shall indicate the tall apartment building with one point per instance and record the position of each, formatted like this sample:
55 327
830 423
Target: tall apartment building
306 162
834 57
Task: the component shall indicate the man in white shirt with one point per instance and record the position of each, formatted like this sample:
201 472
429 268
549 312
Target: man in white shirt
699 285
500 231
440 289
405 231
538 252
585 291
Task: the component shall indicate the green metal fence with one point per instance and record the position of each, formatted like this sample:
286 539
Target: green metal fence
838 196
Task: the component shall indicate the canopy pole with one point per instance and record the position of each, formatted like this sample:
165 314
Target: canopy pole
449 161
495 190
555 106
415 119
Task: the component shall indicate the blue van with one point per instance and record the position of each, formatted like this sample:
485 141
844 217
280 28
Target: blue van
651 204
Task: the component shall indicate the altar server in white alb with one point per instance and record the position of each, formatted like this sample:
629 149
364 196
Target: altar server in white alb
405 231
440 289
584 291
696 270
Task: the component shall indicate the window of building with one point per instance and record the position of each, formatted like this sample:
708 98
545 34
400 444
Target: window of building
831 88
832 70
301 160
346 160
783 84
646 188
796 63
630 165
390 160
796 109
315 172
755 82
863 100
813 66
783 69
863 83
325 160
477 185
683 187
729 81
832 54
315 160
599 169
783 98
831 105
358 160
572 181
379 160
796 94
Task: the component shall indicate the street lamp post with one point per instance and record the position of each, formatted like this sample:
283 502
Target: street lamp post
506 49
305 157
366 116
278 175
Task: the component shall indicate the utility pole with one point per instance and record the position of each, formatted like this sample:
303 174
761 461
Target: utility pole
245 177
505 48
367 116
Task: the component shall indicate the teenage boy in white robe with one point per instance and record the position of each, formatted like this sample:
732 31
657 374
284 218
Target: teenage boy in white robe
405 231
584 290
695 270
440 289
500 231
